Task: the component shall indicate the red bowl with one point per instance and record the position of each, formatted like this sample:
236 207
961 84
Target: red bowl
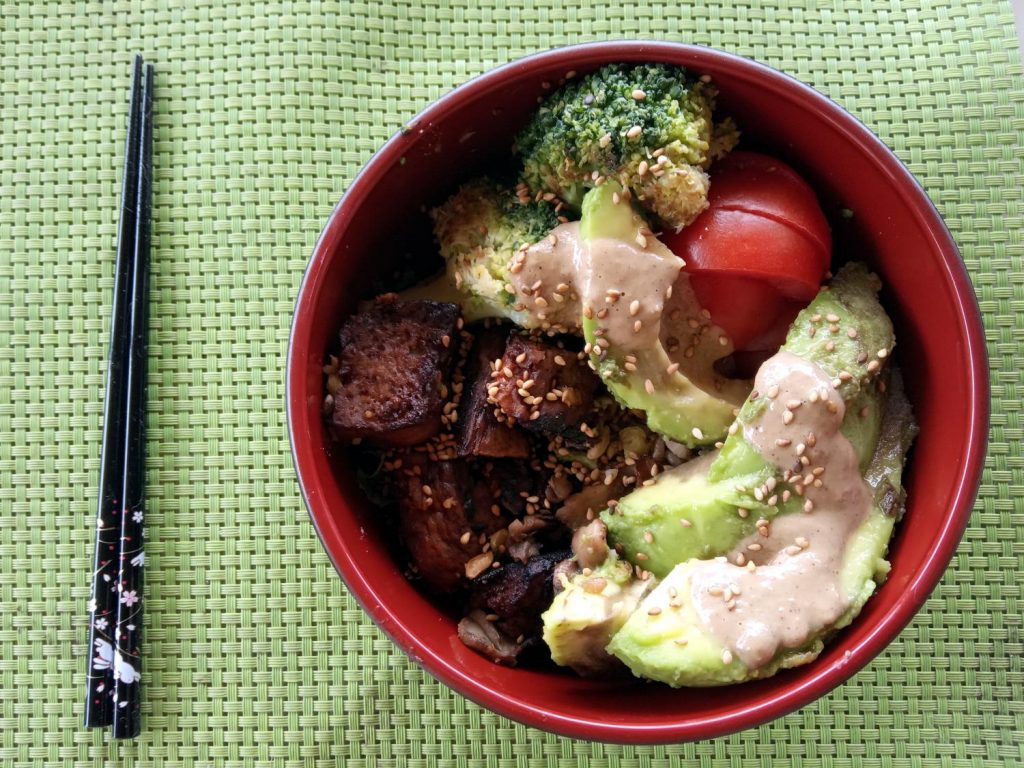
894 227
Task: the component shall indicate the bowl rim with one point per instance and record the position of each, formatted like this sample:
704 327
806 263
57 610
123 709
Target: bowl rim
889 625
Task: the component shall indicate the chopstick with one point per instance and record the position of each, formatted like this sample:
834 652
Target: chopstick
127 658
114 668
104 600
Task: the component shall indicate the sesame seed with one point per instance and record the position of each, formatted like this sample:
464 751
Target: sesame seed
641 241
845 376
629 366
802 542
734 427
793 404
773 500
602 313
634 307
648 537
800 448
773 392
852 333
832 318
633 132
616 198
605 140
697 433
637 325
464 539
641 556
541 302
830 346
783 442
742 512
759 494
649 386
588 313
668 292
793 549
727 657
672 369
639 95
787 416
882 354
642 168
754 547
873 366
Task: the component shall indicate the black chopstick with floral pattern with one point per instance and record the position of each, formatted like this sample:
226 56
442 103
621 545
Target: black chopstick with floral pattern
128 634
104 600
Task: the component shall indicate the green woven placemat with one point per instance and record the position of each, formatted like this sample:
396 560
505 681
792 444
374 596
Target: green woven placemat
255 653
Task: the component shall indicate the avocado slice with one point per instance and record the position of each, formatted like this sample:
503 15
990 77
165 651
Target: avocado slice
665 639
704 508
588 611
693 404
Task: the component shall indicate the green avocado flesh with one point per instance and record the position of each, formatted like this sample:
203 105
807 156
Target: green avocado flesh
585 615
704 508
710 498
674 646
693 405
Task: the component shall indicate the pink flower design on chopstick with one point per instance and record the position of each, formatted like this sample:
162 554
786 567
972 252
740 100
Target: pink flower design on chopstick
130 598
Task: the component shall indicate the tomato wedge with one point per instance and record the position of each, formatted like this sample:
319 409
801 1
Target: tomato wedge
759 252
759 184
739 305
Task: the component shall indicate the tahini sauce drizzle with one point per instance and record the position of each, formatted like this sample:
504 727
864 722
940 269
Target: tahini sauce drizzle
603 274
795 591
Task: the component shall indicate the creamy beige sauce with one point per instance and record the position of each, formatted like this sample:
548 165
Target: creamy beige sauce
623 284
794 590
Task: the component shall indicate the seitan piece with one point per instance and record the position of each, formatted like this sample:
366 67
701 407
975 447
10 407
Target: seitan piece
393 367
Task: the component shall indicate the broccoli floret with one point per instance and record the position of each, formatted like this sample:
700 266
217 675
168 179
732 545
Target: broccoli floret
647 125
479 229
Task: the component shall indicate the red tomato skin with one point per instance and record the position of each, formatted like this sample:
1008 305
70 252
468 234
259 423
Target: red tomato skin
756 183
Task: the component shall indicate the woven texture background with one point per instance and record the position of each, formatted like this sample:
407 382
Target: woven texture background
255 653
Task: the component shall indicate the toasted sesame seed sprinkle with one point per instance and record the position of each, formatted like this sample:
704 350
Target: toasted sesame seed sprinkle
697 433
783 442
727 657
787 416
802 542
793 549
633 132
648 537
808 506
873 366
830 346
773 392
832 318
642 168
464 539
639 95
754 547
649 386
794 404
685 523
743 512
852 333
641 556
